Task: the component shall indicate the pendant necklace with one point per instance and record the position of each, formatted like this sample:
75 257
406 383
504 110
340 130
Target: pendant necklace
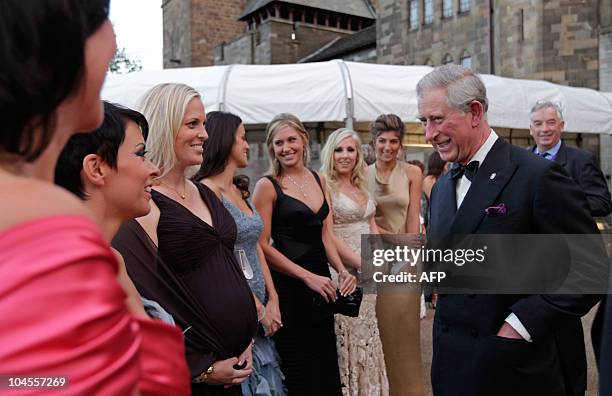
183 195
300 186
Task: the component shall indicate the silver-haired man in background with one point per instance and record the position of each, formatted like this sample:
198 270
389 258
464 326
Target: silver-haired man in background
546 126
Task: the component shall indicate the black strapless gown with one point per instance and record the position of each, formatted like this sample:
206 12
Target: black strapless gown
307 346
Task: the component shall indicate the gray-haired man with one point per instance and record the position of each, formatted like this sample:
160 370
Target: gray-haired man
546 126
499 344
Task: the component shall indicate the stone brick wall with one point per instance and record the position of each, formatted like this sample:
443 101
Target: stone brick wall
213 22
263 44
555 40
518 38
177 33
460 35
193 28
605 60
391 31
570 49
239 51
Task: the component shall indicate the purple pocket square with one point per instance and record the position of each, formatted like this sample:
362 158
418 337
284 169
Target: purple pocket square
496 210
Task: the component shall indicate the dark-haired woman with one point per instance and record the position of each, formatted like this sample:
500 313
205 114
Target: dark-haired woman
107 169
396 187
225 151
63 310
435 167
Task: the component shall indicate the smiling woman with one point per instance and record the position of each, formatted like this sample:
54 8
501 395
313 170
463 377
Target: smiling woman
396 188
295 213
107 169
190 236
225 152
360 355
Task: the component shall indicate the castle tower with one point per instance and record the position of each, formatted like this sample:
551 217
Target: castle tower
192 28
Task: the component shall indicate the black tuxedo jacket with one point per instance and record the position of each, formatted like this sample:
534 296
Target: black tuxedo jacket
582 167
468 358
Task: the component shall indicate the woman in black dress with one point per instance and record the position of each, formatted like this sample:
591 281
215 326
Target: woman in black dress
291 202
190 236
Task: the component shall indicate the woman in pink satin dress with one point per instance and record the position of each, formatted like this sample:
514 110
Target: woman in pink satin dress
63 309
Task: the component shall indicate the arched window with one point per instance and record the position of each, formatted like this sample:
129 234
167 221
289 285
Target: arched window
429 62
447 59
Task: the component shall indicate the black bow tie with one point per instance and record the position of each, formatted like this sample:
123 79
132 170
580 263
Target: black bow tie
469 170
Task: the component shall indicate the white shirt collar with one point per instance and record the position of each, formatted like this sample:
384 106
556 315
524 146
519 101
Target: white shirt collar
482 152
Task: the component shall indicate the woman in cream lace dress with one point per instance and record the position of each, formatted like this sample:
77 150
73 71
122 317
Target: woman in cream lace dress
360 355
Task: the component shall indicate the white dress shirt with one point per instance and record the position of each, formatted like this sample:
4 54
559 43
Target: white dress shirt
461 188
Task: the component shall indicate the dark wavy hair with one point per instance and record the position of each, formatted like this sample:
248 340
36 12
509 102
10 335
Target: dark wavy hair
42 53
221 128
435 165
386 123
104 141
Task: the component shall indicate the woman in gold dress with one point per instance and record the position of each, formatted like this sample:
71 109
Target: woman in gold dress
396 188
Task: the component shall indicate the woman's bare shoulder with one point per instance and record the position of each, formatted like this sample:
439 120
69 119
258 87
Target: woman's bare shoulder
413 171
150 221
265 187
25 199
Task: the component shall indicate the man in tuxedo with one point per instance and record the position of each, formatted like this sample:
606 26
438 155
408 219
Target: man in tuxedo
499 344
546 126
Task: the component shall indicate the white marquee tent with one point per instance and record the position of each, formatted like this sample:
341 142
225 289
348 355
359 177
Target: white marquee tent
350 91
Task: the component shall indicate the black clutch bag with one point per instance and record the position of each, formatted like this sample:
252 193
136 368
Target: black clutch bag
347 306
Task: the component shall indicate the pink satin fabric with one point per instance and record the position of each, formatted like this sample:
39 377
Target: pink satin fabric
162 356
63 313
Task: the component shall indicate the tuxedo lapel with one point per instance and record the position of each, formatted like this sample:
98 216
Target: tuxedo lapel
444 204
493 175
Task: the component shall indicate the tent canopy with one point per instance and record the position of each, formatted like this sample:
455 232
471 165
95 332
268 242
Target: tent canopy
351 91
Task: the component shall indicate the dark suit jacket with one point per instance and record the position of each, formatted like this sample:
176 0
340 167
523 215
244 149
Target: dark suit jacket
468 358
605 360
582 167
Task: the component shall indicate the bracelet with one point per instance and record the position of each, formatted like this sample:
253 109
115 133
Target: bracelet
204 376
344 271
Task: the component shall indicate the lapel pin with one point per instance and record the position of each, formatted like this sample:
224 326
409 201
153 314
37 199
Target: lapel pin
492 175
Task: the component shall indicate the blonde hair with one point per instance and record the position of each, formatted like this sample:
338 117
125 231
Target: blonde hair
358 174
164 106
279 122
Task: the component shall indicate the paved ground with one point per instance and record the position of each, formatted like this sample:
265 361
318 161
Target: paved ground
427 323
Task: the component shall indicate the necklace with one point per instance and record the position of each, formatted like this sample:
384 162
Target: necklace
183 195
300 186
353 192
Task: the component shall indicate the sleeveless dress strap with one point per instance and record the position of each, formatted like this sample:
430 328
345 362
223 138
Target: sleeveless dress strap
277 188
316 176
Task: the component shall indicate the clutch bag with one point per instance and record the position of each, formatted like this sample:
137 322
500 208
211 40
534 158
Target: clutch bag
344 305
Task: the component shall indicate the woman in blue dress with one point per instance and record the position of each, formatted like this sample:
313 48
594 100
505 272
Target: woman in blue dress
225 151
